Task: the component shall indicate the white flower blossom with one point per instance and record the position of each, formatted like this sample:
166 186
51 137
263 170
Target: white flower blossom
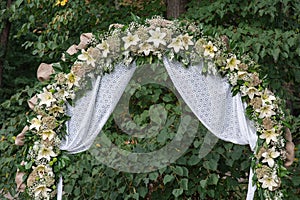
209 50
46 152
250 91
41 190
176 44
265 111
36 123
87 56
104 46
269 156
267 97
72 80
186 41
269 135
48 134
130 40
145 48
46 98
157 37
232 63
268 182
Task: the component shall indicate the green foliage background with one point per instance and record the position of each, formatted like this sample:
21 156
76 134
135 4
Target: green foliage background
41 32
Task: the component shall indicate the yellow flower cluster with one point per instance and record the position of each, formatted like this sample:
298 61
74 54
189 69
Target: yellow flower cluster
61 3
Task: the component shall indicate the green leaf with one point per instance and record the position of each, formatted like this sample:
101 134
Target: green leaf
275 54
177 192
203 183
184 183
153 176
213 179
29 165
178 170
168 178
193 160
210 165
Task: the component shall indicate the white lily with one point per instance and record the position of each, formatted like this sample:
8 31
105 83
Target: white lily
130 40
232 63
46 152
269 135
268 182
104 46
186 41
145 48
48 134
36 123
46 98
209 50
267 97
176 44
269 156
157 37
41 190
87 56
265 111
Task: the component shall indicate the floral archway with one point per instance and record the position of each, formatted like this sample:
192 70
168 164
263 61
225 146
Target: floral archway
242 109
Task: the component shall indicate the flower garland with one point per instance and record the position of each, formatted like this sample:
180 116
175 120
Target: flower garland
141 43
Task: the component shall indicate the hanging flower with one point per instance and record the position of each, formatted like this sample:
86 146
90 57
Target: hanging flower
46 152
209 50
232 63
104 46
265 111
56 110
176 44
267 97
130 40
145 48
186 41
46 98
249 91
269 135
36 123
269 156
48 134
87 56
157 37
268 182
72 80
41 190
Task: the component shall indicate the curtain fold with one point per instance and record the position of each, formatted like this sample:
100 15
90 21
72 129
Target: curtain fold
211 100
91 111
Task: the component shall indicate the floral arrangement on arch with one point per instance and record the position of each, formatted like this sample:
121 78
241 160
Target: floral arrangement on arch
146 43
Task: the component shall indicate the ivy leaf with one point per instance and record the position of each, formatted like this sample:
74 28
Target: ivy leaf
211 164
168 178
177 192
178 170
275 54
184 183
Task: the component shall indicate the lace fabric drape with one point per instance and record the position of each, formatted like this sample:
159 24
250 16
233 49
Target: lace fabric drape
208 96
91 111
210 99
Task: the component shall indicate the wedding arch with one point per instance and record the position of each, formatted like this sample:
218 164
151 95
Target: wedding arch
223 90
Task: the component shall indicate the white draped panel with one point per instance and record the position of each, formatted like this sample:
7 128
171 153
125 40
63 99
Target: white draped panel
91 111
210 99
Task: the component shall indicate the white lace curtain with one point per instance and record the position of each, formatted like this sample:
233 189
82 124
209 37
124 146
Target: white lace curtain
209 97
